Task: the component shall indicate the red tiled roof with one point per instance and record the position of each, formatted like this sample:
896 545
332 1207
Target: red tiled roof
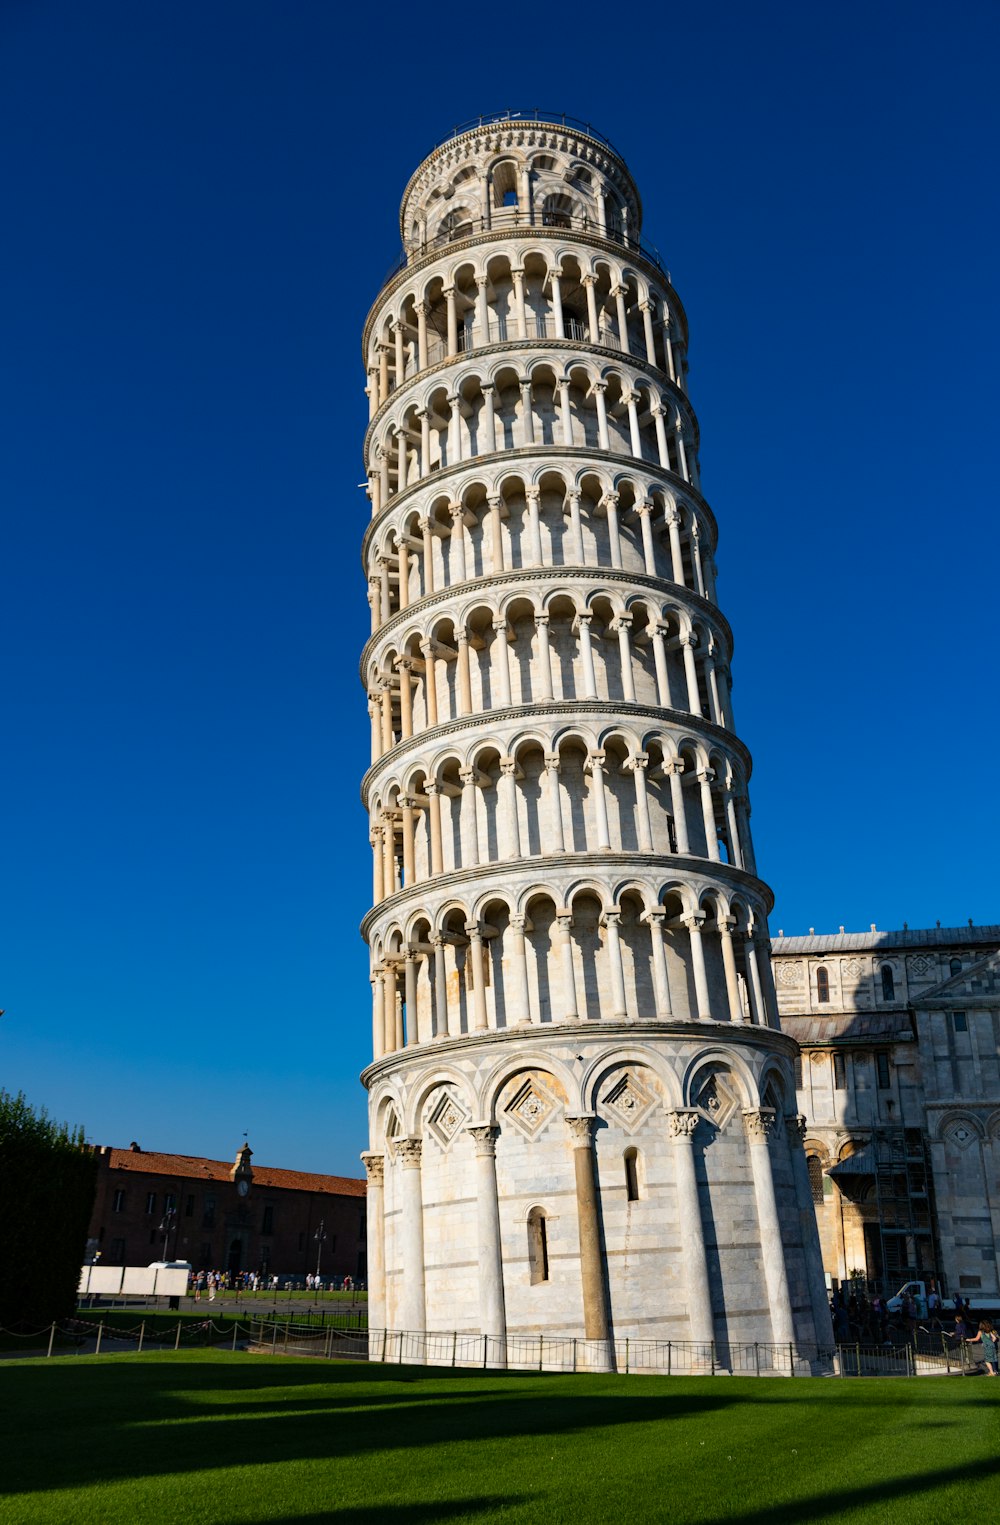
193 1166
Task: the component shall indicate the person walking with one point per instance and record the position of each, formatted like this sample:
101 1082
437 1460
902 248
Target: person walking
987 1337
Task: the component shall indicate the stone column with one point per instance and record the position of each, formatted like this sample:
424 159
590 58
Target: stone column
592 323
532 496
412 1304
500 626
688 643
440 987
604 439
378 874
760 1125
564 923
375 1211
557 307
565 420
595 1306
383 373
527 415
404 667
474 966
619 295
614 537
385 699
457 560
425 441
409 856
454 430
619 1008
544 659
521 992
637 767
410 989
595 767
433 791
464 673
656 634
766 977
555 802
655 919
403 553
429 649
489 417
449 293
673 519
427 534
754 991
378 1015
635 440
385 592
492 1315
729 965
694 925
520 312
495 503
645 512
576 525
735 847
389 1044
674 768
587 656
422 335
622 627
668 349
701 1324
659 415
682 453
507 788
822 1323
646 308
470 823
705 779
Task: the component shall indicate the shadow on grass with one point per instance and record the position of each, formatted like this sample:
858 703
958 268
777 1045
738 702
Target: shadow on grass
120 1419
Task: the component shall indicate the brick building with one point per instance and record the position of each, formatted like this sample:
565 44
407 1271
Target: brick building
236 1217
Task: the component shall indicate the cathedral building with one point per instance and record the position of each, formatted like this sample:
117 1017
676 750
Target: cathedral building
582 1109
899 1082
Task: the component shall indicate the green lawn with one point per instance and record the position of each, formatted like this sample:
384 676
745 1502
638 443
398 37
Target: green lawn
234 1438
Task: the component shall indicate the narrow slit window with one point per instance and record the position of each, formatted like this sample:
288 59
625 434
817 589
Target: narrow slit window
538 1247
632 1174
888 984
823 986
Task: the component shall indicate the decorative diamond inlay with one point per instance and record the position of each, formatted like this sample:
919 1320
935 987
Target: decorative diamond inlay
717 1101
627 1102
961 1134
530 1108
447 1117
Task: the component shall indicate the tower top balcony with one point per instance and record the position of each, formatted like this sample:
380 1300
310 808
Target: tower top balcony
534 167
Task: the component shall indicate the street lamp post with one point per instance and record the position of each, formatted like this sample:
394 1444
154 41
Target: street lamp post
319 1236
169 1215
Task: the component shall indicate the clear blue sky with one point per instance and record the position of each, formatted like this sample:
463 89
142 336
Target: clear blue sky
200 201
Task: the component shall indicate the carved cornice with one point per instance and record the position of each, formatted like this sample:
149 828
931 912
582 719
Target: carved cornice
623 253
505 346
427 1057
547 457
475 882
591 576
556 709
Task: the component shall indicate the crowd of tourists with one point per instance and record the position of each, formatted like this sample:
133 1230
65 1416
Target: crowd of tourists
212 1284
860 1319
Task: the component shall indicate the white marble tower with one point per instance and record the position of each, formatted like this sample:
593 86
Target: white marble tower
582 1112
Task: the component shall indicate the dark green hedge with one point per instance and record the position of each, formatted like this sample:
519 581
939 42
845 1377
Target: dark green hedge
47 1183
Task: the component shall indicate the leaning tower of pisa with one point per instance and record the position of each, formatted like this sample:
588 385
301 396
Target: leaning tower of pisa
581 1106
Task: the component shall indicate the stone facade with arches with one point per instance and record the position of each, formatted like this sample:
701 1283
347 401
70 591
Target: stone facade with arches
582 1109
899 1083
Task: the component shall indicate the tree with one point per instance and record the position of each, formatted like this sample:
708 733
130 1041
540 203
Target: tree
48 1178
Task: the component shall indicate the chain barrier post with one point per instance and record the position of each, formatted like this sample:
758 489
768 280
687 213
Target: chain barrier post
100 1331
791 1360
52 1337
177 1337
142 1332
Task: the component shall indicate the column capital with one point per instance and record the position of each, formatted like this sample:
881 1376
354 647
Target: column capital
611 918
638 763
760 1123
610 500
656 916
706 776
374 1168
399 327
798 1126
595 761
645 307
552 761
672 514
484 1136
487 386
404 664
448 291
601 387
429 649
518 924
508 767
500 623
474 931
532 494
621 622
589 280
683 1122
673 765
541 619
689 638
468 776
495 499
421 307
643 508
658 410
694 922
432 787
409 1151
581 1129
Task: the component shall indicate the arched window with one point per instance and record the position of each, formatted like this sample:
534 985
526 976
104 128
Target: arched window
888 984
955 966
822 985
632 1174
815 1176
538 1246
